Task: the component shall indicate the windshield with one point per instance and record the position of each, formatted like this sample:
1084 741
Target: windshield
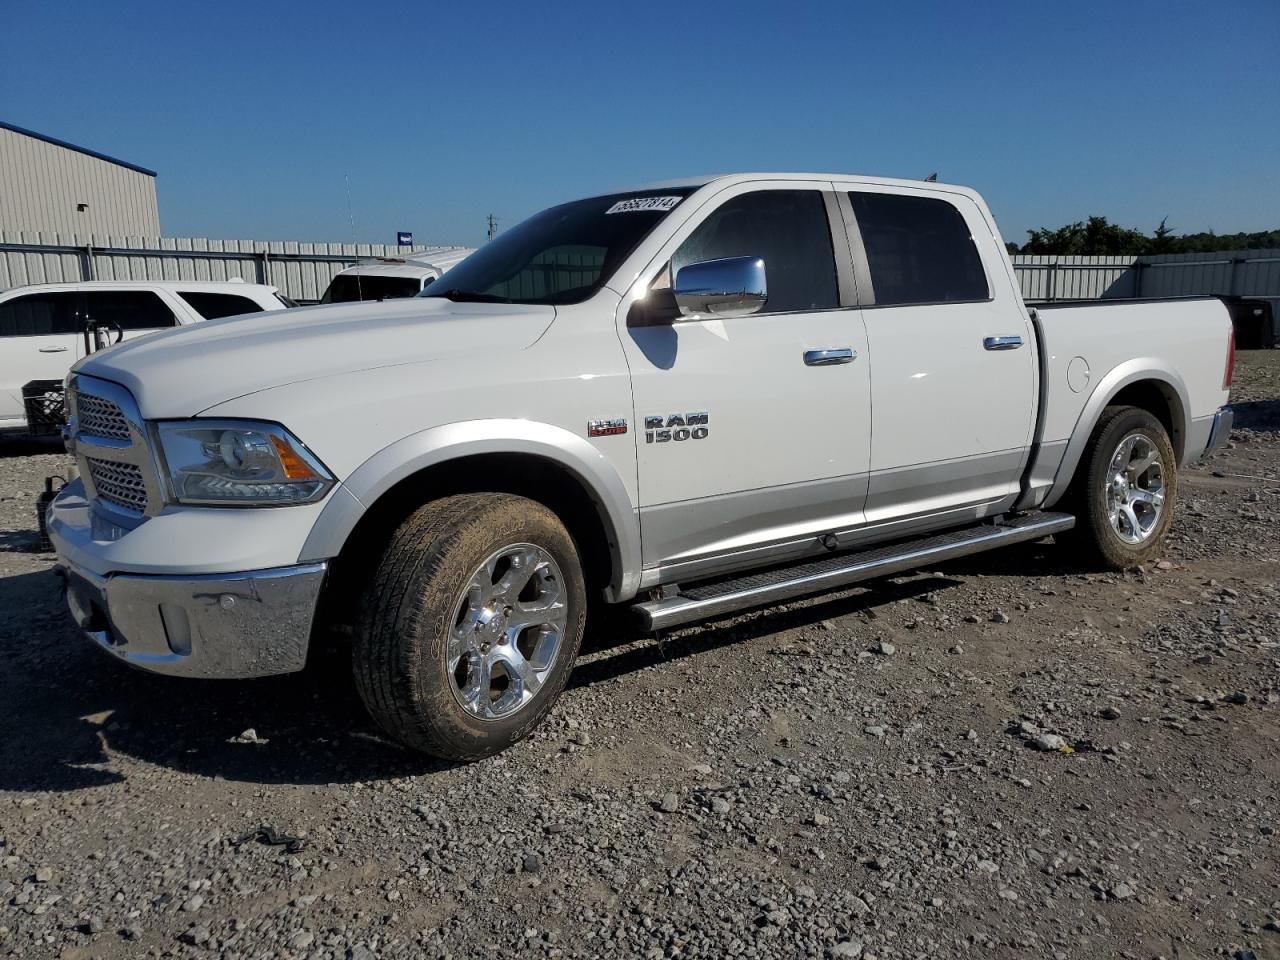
561 255
351 288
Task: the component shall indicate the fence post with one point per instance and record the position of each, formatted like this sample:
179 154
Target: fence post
1053 281
1138 267
263 270
86 263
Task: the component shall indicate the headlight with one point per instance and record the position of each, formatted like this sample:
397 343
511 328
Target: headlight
239 462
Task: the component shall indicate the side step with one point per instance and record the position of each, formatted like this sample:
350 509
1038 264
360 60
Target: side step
701 601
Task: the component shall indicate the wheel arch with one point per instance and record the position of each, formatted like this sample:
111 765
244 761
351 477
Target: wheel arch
537 460
1145 383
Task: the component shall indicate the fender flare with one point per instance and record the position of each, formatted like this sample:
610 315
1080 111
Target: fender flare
1121 376
452 441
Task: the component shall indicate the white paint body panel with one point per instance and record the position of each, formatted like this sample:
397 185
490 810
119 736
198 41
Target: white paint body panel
23 359
380 390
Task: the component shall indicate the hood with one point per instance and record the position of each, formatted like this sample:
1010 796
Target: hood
180 372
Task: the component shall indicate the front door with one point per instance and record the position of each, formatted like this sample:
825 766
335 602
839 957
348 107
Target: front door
40 339
753 439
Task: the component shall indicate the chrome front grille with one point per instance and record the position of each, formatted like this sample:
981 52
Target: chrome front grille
109 441
98 417
120 484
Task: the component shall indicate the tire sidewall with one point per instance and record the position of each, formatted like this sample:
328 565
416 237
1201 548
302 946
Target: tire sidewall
1112 431
426 618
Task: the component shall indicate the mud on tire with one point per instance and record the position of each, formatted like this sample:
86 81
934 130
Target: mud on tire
468 629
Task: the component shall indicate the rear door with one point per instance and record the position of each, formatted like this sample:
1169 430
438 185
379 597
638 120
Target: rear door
954 375
752 443
40 339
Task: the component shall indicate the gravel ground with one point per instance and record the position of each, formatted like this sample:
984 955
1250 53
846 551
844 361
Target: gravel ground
1005 757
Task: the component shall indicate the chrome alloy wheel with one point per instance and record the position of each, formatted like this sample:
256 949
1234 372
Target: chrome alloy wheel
507 629
1134 488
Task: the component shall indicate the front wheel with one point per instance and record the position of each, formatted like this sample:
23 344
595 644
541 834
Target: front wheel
1125 491
469 628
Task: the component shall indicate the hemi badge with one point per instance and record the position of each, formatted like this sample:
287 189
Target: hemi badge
606 428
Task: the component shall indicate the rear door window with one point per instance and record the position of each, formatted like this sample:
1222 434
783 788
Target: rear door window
789 230
211 306
919 250
129 309
40 315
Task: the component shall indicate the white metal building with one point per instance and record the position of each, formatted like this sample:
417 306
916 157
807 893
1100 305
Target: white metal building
51 186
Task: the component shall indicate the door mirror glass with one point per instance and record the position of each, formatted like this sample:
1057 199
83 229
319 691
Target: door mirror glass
732 287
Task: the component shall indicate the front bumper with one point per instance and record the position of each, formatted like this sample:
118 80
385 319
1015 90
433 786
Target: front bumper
232 625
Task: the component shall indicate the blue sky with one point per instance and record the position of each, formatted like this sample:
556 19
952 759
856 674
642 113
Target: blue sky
442 113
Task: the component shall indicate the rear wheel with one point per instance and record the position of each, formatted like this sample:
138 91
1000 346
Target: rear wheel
1125 490
468 631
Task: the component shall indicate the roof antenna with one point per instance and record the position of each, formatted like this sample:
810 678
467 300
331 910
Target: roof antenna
352 218
932 178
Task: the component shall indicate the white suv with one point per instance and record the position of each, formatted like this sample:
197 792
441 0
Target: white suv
42 326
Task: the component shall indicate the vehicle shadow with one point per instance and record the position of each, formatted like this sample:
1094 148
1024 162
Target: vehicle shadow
24 445
1259 415
69 711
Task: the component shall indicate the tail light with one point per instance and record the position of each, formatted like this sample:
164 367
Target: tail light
1231 360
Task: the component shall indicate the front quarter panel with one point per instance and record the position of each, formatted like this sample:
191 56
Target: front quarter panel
372 428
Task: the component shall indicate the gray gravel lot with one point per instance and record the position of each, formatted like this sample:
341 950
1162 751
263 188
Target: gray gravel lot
1003 757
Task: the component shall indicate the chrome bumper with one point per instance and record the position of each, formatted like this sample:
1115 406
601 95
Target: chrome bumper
1221 430
231 625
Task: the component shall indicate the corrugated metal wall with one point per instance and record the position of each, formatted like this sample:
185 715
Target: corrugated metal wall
41 183
1245 273
300 270
303 270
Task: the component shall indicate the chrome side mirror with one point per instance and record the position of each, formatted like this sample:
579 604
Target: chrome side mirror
733 287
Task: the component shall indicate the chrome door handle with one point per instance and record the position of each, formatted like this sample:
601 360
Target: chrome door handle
826 358
1001 343
53 349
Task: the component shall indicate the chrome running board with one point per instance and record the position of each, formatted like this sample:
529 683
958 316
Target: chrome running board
700 601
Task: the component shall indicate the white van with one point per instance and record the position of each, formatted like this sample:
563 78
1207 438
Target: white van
42 326
391 278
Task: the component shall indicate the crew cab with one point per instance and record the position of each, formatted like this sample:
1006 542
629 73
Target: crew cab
43 326
690 398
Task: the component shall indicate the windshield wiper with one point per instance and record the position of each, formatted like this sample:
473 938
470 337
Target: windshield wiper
457 295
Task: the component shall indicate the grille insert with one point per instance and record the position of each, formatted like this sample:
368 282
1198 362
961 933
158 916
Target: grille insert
119 484
100 418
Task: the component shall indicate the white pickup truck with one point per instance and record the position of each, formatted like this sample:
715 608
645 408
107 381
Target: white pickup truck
690 398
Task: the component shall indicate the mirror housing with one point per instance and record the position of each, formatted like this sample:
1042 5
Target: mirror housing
732 287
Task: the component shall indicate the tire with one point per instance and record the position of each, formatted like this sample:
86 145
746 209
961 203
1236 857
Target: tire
1105 534
440 656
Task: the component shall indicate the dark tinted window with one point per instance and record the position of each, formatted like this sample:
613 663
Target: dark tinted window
789 229
561 255
211 306
919 250
128 309
40 315
353 289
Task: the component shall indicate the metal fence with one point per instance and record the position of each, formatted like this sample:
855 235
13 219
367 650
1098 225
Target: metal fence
1244 273
300 270
303 270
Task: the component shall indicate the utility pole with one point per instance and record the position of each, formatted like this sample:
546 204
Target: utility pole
493 223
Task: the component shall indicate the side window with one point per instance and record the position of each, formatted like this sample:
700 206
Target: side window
789 229
211 306
919 250
39 315
129 309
